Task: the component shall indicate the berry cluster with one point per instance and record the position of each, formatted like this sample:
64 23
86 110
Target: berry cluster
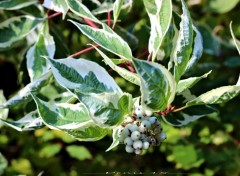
140 131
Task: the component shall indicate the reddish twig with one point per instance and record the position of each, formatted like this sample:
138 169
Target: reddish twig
90 23
149 57
84 51
169 109
54 15
142 54
109 18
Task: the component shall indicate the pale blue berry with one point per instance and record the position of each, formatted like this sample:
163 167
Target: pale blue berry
139 110
125 132
128 141
135 135
129 149
146 124
137 144
140 117
121 139
162 136
141 129
153 120
145 145
133 127
138 151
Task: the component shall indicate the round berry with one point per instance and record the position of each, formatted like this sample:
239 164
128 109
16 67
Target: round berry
125 132
148 112
145 145
138 151
146 124
139 110
142 129
135 135
121 139
153 120
128 141
129 149
162 136
137 144
140 117
133 127
120 132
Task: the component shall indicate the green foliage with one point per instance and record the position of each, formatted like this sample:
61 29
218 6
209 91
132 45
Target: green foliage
62 103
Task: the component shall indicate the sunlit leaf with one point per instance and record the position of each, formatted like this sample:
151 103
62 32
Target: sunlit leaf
115 139
158 91
50 150
16 28
132 77
81 10
160 14
221 6
106 38
183 48
57 5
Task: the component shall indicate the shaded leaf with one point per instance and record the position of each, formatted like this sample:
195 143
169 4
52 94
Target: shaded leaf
3 163
221 6
117 6
115 139
79 152
50 150
45 46
24 95
3 112
30 121
16 4
189 82
236 42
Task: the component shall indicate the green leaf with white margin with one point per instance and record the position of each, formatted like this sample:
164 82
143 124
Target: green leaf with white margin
236 42
90 133
30 121
73 119
187 116
63 115
107 39
83 75
105 108
189 82
216 96
57 5
132 77
3 112
24 95
16 28
160 14
158 86
44 46
126 104
16 4
183 48
115 139
117 7
81 10
197 49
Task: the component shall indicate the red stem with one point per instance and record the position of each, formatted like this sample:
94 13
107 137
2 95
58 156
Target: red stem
54 15
109 18
149 57
84 51
90 23
142 54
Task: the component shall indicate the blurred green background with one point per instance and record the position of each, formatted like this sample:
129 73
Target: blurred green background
209 146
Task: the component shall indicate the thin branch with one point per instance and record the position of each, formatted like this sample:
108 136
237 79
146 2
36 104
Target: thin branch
109 18
149 57
90 23
54 15
84 51
142 54
179 109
